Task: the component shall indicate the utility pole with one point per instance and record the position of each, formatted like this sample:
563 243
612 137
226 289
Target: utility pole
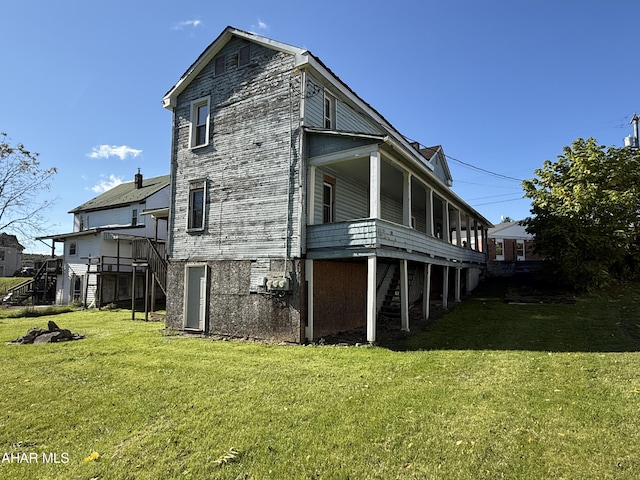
632 140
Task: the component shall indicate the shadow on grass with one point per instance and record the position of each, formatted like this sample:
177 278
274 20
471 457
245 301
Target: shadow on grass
490 319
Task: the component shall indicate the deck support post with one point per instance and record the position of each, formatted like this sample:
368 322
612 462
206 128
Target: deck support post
372 304
426 291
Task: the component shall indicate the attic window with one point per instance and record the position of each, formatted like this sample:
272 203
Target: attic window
219 65
244 56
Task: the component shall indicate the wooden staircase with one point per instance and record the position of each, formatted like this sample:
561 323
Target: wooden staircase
154 255
39 289
391 304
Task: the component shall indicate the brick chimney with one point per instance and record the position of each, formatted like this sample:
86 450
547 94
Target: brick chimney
137 180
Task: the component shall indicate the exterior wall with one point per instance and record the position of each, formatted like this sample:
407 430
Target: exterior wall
10 261
251 163
121 216
347 119
234 309
509 250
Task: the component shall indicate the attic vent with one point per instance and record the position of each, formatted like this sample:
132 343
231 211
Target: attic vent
219 65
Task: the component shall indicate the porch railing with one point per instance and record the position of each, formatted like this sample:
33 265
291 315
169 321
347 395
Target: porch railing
360 237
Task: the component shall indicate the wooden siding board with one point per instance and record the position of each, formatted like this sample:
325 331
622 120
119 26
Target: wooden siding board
252 174
380 234
347 118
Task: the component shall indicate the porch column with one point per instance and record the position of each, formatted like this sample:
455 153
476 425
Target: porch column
477 243
311 197
426 291
458 284
446 234
467 227
429 209
406 199
371 298
459 229
445 288
374 185
308 276
404 296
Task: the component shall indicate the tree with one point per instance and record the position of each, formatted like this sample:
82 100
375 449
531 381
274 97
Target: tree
22 180
586 214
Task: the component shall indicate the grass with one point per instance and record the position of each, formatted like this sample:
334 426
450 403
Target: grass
7 282
489 391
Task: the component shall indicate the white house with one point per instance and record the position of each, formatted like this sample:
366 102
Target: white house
99 252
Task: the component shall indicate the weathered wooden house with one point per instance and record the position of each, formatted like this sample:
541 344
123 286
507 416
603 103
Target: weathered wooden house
297 210
110 232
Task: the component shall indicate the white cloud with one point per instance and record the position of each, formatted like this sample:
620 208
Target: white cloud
107 184
187 23
106 151
261 26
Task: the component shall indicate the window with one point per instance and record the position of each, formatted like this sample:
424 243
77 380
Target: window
196 206
199 123
72 248
219 65
328 199
329 111
134 217
499 250
520 250
244 56
2 255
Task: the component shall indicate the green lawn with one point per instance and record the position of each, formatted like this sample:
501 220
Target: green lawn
489 391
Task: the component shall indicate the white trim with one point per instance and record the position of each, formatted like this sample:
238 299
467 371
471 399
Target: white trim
193 119
203 314
371 297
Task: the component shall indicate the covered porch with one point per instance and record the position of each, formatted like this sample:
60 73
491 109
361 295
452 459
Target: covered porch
372 204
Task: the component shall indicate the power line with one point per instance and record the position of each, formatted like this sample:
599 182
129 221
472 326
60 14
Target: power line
488 172
473 167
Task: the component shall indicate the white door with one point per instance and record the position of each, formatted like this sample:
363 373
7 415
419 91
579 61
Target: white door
195 299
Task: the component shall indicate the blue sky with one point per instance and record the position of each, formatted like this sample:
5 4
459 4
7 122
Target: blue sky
501 85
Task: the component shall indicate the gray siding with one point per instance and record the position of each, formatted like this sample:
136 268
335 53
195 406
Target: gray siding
251 171
347 118
352 198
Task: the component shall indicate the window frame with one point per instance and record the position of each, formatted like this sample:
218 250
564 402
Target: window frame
73 248
499 243
134 217
329 209
195 125
195 186
329 111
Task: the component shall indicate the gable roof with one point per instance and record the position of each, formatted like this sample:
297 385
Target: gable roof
512 230
124 194
7 240
436 156
305 60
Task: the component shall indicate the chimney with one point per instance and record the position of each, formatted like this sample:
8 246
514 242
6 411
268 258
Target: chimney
137 180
